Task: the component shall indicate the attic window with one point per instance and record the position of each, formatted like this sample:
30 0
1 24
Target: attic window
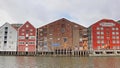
27 25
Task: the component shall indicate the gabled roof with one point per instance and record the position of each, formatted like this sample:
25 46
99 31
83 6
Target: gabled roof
27 22
7 24
104 20
63 20
16 26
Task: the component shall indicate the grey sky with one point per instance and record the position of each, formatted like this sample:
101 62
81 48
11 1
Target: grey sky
41 12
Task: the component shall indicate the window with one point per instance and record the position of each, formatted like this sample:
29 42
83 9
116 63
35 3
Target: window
6 32
5 42
118 47
31 37
31 30
5 37
27 35
102 37
58 38
117 37
65 39
98 28
98 32
113 28
113 33
75 25
51 38
41 43
23 30
45 43
21 37
101 28
6 28
31 33
98 41
117 33
45 38
41 34
21 43
62 30
27 25
50 34
23 34
113 37
113 41
116 28
117 41
31 43
98 37
102 32
40 29
102 41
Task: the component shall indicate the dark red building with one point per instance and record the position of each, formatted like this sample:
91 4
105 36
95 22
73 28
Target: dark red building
104 34
62 35
27 38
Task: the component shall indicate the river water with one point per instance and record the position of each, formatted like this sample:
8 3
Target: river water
58 62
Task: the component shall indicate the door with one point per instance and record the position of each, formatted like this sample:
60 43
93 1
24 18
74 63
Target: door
26 49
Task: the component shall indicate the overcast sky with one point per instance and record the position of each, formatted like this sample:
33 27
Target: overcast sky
41 12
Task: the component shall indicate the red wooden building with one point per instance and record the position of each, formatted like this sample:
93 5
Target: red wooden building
27 38
104 35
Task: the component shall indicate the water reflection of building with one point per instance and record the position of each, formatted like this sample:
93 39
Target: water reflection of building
62 35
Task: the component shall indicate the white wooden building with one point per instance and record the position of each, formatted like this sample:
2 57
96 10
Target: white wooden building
8 38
